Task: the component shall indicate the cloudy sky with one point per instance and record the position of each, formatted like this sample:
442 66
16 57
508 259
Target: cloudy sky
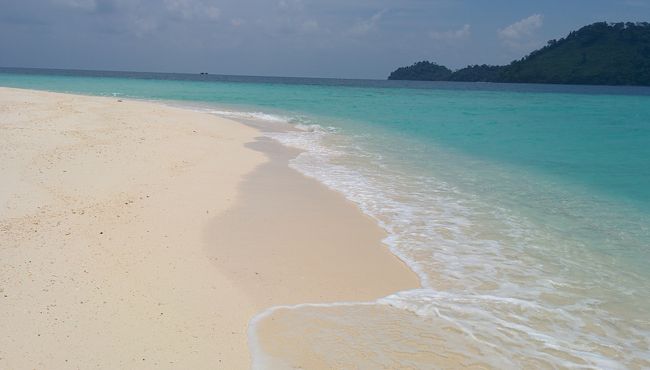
319 38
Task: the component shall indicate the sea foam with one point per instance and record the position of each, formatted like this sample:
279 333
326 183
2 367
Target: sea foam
484 271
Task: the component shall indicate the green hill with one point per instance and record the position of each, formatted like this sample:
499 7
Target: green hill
601 53
426 71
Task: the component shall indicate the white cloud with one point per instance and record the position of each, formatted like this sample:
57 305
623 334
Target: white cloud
290 4
212 12
523 28
459 34
310 26
143 26
193 9
365 26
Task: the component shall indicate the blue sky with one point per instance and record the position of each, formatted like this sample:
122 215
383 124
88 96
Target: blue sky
319 38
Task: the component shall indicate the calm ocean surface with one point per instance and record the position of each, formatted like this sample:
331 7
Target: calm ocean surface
525 209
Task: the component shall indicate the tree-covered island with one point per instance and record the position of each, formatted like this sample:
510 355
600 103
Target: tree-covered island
599 54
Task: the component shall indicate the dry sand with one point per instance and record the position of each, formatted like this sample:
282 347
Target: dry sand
136 235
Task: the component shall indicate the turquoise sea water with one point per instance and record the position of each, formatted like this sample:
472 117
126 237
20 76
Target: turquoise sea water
524 209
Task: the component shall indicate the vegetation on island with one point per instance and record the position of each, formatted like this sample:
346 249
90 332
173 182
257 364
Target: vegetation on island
423 71
599 54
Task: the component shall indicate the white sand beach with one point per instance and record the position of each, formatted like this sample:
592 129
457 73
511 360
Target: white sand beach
137 235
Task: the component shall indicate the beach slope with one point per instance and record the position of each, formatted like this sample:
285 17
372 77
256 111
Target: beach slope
138 235
103 205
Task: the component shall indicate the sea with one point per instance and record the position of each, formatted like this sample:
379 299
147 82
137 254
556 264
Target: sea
524 209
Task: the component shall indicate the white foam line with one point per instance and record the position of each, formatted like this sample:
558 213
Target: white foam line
388 241
258 357
251 115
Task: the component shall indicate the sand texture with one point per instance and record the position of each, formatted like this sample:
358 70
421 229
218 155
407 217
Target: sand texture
136 235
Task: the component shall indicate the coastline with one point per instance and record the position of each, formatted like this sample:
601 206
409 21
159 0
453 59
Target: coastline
141 233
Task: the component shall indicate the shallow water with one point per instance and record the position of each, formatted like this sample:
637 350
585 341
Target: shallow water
524 209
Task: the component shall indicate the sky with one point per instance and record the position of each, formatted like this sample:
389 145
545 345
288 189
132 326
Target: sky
310 38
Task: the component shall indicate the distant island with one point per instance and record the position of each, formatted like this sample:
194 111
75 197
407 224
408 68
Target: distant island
599 54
